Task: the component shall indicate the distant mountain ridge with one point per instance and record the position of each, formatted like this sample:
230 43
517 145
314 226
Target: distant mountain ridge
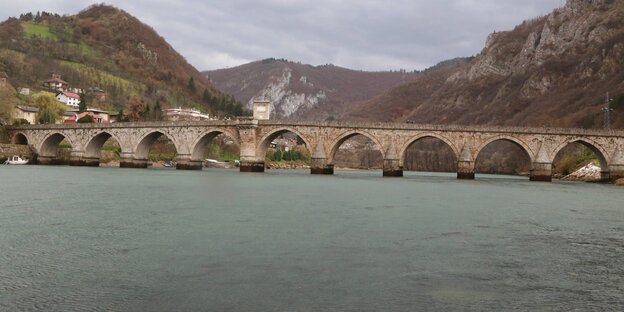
304 91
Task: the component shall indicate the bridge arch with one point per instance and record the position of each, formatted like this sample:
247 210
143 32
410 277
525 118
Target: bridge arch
527 150
20 139
419 137
335 145
48 149
142 148
263 143
198 147
596 148
93 148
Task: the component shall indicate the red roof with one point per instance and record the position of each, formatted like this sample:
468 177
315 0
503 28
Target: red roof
76 117
56 80
71 95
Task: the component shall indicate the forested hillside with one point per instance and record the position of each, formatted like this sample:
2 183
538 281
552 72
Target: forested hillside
105 48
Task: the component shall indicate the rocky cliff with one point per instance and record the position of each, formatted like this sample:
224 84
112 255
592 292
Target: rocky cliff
550 71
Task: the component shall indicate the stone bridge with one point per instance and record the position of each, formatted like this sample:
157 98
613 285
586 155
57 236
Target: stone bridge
322 139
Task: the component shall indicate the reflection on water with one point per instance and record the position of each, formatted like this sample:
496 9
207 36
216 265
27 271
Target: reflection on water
76 239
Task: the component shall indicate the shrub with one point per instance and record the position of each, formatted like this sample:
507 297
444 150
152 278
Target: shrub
86 119
20 121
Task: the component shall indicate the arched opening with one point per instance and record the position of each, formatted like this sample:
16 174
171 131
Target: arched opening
357 151
155 149
102 150
20 139
55 150
580 161
504 157
430 154
285 149
216 149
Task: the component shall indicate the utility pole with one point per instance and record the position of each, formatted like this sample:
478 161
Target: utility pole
607 113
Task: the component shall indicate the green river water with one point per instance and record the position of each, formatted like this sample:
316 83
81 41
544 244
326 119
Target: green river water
109 239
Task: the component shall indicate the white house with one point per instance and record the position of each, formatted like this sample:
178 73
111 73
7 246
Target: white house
69 99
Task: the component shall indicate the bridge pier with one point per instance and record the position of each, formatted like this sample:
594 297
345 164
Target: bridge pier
616 172
128 161
134 163
392 168
466 170
47 160
78 159
541 172
320 166
251 166
84 162
184 162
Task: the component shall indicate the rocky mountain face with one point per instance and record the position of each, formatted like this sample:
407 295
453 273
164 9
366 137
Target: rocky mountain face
304 91
553 70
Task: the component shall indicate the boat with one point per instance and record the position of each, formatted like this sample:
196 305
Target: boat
168 164
16 160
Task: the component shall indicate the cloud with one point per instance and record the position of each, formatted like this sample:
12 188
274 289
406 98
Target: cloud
358 34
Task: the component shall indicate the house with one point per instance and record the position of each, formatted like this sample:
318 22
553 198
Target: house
99 116
3 79
176 114
27 113
69 99
56 83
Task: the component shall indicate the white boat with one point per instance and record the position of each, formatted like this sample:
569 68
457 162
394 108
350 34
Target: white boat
16 160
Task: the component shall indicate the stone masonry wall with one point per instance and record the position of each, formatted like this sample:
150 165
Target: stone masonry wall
8 150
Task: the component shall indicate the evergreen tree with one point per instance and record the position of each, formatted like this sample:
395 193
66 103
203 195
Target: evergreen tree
206 97
147 114
157 113
191 85
82 106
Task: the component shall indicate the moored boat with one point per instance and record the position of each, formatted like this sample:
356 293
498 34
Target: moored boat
16 160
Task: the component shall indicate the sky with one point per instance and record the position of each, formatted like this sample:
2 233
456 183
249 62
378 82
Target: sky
372 35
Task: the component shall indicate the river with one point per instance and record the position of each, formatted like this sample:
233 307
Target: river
110 239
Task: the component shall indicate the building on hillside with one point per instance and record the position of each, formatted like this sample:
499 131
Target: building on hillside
99 116
75 90
261 109
24 91
3 79
56 83
188 114
27 113
69 98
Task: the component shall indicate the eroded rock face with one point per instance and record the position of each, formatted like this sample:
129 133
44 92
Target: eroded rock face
286 102
549 37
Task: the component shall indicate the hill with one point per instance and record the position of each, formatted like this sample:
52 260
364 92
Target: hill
553 70
106 48
304 91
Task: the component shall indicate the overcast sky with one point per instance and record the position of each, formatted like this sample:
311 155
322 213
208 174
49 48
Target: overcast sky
358 34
